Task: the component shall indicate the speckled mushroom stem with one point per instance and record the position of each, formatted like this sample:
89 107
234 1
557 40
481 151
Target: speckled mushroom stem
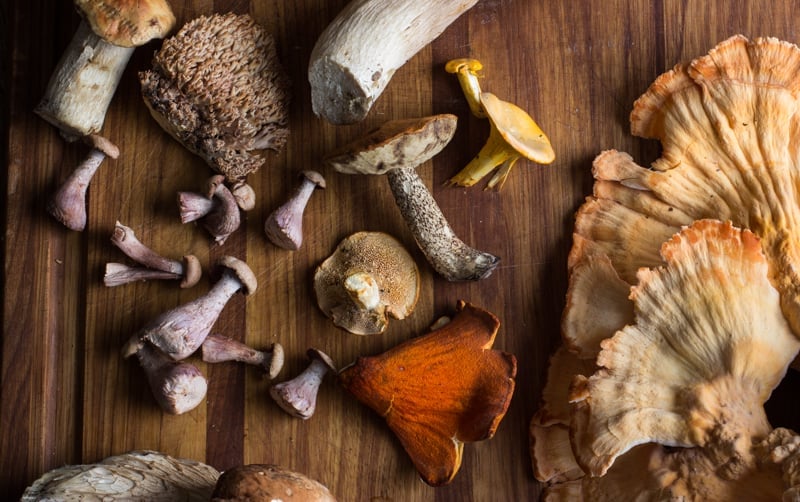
124 238
284 226
118 274
446 253
177 386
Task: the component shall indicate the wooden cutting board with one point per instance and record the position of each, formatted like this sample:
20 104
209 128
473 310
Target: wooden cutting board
68 396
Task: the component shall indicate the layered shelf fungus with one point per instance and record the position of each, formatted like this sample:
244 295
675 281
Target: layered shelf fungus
439 390
513 134
218 88
708 345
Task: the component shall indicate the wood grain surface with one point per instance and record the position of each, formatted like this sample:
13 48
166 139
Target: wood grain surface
68 396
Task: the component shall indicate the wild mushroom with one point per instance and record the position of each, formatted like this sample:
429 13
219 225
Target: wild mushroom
217 209
396 149
356 56
81 86
284 225
178 386
369 277
155 266
298 396
218 88
513 133
268 482
181 331
135 475
439 390
219 349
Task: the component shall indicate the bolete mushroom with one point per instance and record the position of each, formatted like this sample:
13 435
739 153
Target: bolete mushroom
513 134
357 54
134 475
284 225
181 331
218 88
439 390
298 396
396 149
84 82
369 277
268 482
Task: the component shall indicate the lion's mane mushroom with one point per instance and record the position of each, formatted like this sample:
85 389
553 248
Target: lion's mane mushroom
356 56
218 88
135 475
439 390
267 482
369 277
396 149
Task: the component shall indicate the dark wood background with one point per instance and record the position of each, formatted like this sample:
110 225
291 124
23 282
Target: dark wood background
68 397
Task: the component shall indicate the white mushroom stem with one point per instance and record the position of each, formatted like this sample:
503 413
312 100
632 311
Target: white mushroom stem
356 56
298 396
177 386
364 290
284 226
447 254
219 349
118 274
83 83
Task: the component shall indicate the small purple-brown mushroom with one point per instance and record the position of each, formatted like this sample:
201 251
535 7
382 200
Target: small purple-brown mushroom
220 349
298 396
177 386
217 209
284 226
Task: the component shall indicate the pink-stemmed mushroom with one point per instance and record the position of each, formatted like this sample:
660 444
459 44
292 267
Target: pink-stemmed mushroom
219 349
181 331
284 226
177 386
217 209
154 267
298 396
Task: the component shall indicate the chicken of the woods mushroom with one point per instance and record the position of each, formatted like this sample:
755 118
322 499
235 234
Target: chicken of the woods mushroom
218 87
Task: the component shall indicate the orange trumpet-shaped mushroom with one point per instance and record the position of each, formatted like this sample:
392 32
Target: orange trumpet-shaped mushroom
439 390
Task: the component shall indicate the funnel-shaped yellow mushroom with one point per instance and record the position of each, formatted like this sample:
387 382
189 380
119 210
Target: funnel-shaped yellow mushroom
513 134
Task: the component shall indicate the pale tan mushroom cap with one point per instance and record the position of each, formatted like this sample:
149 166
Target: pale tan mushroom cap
266 482
242 271
393 268
709 345
128 23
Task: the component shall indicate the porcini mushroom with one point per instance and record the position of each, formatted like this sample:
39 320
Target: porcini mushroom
155 266
357 54
181 331
369 277
298 396
219 349
177 386
513 134
217 209
396 149
265 482
439 390
218 88
134 475
284 225
81 87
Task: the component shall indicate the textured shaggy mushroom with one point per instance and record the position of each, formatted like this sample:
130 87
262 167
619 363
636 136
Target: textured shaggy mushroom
267 482
357 54
135 475
368 278
396 149
439 390
513 134
242 108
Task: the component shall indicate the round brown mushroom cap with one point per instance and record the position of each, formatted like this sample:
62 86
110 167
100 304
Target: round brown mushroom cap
387 261
128 23
265 482
242 271
192 271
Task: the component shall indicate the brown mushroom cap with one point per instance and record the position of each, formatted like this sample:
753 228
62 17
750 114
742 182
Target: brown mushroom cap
396 144
242 271
387 261
128 23
265 482
192 271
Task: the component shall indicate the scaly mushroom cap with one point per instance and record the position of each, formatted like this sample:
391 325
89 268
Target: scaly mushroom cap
439 390
265 482
391 267
217 87
128 23
708 347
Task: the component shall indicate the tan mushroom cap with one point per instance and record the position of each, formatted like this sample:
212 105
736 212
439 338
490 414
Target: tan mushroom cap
385 259
128 23
266 482
242 271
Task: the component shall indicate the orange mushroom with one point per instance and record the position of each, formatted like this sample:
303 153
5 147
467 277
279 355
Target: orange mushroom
439 390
